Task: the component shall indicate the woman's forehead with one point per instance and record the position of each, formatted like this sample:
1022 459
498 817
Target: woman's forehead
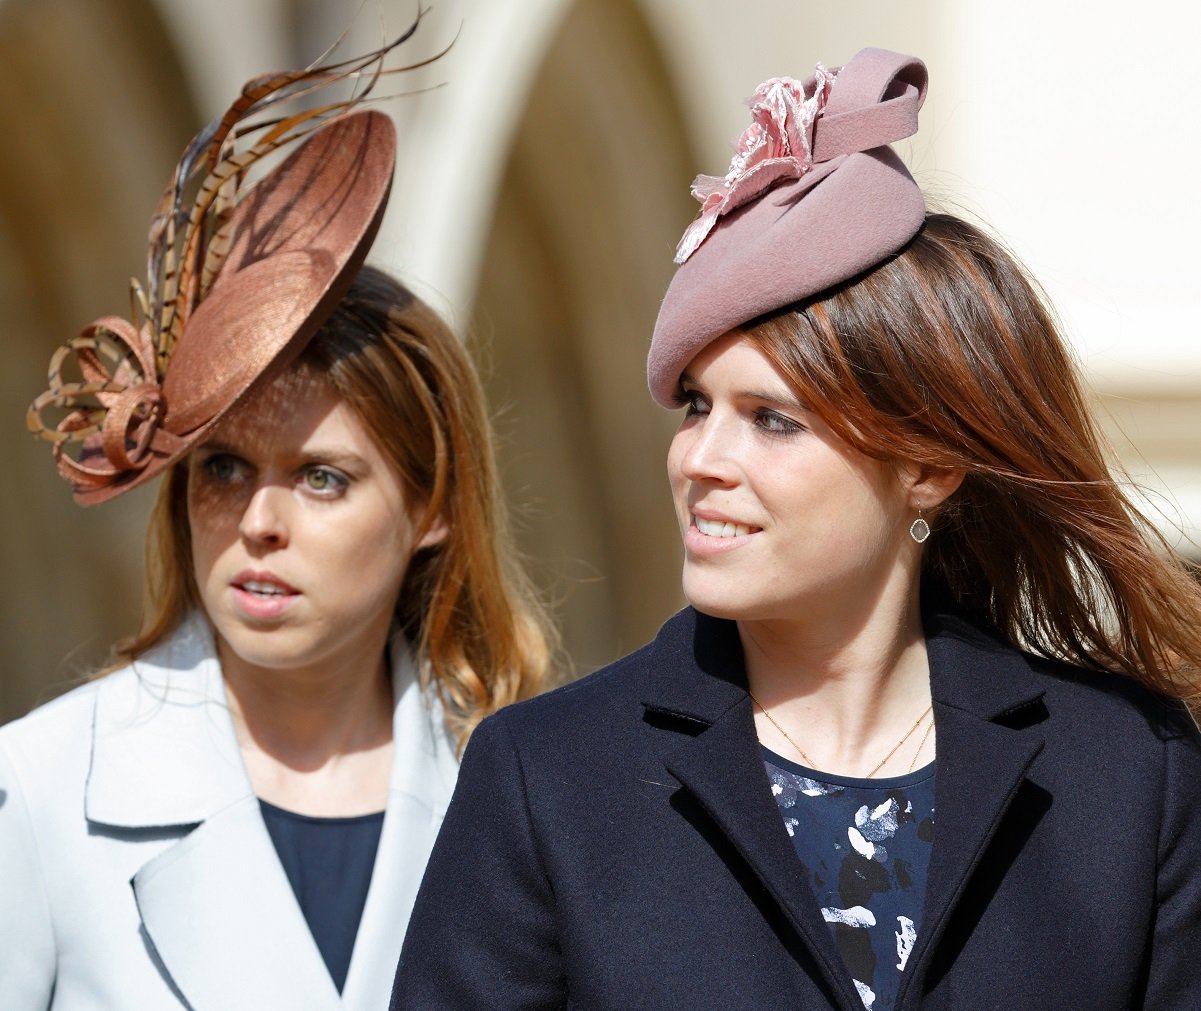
274 401
289 408
737 359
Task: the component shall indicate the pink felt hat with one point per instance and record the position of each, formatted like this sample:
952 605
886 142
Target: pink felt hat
813 197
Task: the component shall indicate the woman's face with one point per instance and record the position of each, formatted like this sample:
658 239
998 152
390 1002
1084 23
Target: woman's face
301 533
781 519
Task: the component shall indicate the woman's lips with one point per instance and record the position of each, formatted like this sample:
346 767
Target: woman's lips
708 535
262 597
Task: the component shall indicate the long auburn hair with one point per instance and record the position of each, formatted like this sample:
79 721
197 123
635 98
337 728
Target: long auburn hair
481 635
947 355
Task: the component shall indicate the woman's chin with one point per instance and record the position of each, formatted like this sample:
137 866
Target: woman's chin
270 648
720 605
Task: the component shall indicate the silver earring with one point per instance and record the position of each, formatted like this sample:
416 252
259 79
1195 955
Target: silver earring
919 530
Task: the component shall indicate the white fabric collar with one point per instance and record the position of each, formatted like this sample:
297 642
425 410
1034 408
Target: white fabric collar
164 751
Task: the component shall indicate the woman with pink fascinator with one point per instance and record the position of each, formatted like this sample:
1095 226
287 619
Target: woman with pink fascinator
239 813
920 739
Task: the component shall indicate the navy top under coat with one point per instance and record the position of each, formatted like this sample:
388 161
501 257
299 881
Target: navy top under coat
328 862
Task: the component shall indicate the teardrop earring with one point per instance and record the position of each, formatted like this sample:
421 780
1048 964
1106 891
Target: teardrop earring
919 530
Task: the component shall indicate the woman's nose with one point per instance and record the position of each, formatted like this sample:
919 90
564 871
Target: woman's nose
708 452
264 521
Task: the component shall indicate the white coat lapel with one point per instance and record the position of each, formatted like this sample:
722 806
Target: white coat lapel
222 918
424 769
216 905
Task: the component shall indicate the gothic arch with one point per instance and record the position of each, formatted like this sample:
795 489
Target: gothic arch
593 200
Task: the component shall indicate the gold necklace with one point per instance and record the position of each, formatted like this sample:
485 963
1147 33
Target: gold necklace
896 747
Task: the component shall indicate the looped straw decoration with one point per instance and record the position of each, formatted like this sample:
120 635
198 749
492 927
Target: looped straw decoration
117 396
130 425
111 359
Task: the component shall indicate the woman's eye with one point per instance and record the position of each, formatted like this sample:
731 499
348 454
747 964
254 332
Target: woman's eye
777 424
324 480
224 467
693 403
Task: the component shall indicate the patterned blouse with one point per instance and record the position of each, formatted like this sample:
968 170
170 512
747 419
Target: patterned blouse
865 848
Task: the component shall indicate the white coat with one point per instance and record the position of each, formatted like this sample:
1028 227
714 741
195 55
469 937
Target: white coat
135 867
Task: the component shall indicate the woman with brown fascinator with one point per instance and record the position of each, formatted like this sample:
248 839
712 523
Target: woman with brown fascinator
920 740
240 814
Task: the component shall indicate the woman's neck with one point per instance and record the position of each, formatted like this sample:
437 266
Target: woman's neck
316 741
842 688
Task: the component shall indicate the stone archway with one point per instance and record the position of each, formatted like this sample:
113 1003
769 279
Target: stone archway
593 200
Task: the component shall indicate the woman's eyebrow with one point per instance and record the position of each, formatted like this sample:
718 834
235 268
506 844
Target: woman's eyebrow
777 398
335 455
217 446
332 454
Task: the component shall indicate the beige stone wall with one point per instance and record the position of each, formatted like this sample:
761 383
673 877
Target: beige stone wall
93 112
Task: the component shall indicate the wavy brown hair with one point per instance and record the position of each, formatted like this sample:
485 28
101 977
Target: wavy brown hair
947 355
482 638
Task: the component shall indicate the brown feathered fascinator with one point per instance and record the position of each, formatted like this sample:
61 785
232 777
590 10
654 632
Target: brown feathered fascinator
240 275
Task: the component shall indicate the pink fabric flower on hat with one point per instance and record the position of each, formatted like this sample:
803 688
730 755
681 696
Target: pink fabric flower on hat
777 145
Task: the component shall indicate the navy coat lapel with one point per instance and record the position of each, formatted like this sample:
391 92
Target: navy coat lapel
986 709
700 680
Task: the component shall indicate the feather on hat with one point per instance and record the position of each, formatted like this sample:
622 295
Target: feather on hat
240 276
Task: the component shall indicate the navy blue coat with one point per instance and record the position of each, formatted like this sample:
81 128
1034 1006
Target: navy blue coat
615 845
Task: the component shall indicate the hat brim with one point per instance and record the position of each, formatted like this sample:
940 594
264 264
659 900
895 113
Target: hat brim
298 239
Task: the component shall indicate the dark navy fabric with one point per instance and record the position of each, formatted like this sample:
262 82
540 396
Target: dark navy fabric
865 848
329 863
614 845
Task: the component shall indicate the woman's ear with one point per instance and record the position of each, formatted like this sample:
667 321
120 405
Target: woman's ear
929 487
434 534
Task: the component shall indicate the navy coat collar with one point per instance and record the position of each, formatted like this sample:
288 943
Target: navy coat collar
987 711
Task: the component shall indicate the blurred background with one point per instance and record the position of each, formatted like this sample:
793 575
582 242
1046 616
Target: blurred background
542 185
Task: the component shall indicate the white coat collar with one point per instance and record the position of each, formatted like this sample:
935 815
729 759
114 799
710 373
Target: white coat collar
164 751
424 770
216 905
163 745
